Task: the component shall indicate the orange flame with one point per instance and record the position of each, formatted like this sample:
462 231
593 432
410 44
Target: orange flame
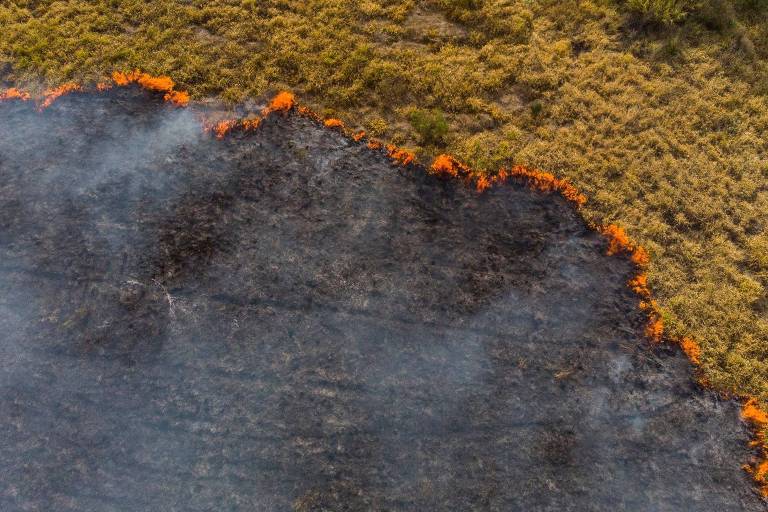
400 156
446 165
333 123
251 124
152 83
692 350
223 127
121 79
641 257
483 183
374 144
53 94
758 419
547 182
283 102
358 136
639 285
14 94
655 328
752 413
178 98
307 112
147 81
618 240
155 83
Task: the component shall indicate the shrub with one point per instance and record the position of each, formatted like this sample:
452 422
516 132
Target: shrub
666 12
536 109
430 125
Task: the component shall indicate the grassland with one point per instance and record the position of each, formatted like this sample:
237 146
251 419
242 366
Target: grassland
663 125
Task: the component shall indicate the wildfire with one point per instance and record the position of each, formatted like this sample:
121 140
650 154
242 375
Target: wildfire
655 328
14 94
178 98
692 350
53 94
283 102
641 257
223 127
639 285
121 79
251 124
147 81
400 156
153 83
547 182
446 165
752 413
334 123
308 113
619 241
758 419
482 183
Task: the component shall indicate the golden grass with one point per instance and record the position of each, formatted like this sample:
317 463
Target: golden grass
666 131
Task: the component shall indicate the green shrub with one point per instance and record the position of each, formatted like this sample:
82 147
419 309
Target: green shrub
536 109
430 125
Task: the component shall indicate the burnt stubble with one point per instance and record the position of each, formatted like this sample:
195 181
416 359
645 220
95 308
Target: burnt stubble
285 320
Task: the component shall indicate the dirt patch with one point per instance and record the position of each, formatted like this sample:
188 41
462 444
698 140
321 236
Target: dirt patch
283 319
427 26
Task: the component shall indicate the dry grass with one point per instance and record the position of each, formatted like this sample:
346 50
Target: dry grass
665 127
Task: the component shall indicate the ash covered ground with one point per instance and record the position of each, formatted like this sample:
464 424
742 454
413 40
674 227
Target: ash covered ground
283 320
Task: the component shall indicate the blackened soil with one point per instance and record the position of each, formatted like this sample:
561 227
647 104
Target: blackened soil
283 320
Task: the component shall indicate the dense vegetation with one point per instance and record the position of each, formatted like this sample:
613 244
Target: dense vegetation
656 109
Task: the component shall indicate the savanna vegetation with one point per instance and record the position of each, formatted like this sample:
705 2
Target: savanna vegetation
656 109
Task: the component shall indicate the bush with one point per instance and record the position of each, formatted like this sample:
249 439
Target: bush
430 125
666 12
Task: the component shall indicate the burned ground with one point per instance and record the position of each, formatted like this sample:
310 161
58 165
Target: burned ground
284 320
